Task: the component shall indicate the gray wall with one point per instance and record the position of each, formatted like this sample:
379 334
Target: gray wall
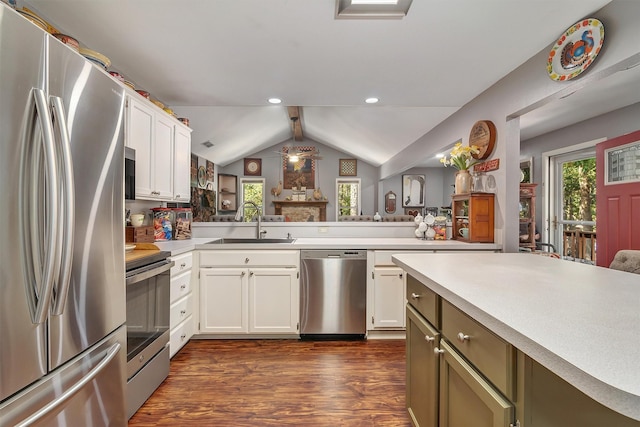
326 174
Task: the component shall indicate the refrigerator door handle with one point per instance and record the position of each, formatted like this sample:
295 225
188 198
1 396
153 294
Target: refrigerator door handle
40 247
109 356
67 203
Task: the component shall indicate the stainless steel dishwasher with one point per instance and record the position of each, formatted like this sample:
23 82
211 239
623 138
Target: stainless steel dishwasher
333 295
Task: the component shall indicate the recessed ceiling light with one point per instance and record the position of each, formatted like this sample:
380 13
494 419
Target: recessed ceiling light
208 144
371 100
275 100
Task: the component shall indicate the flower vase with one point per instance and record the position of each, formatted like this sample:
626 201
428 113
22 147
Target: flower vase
463 182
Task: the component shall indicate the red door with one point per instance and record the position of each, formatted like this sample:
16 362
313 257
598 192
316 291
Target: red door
617 203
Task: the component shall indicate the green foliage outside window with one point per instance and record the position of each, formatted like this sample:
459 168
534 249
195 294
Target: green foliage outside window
348 199
579 190
252 192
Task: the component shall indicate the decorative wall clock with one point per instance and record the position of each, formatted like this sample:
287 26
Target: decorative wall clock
483 136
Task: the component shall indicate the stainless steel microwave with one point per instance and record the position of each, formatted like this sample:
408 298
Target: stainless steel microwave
129 173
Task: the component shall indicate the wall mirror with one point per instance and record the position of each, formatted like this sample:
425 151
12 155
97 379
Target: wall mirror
390 202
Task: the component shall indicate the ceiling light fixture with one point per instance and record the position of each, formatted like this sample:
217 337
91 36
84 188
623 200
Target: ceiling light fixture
374 1
371 100
208 144
275 100
372 9
294 158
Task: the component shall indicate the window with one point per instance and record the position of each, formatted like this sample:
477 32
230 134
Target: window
251 190
348 197
574 204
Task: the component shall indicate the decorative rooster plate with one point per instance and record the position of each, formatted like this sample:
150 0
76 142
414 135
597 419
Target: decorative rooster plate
576 49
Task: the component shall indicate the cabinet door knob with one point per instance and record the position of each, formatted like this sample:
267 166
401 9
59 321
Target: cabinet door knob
462 337
429 339
414 295
437 351
242 274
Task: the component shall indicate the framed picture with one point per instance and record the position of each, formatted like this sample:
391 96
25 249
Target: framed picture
413 191
252 167
301 173
526 170
348 167
194 170
210 172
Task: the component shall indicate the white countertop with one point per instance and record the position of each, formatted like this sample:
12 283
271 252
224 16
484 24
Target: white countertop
384 243
579 321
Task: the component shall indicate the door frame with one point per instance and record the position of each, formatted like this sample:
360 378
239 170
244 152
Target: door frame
549 181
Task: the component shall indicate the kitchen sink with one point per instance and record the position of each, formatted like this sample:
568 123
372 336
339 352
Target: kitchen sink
253 240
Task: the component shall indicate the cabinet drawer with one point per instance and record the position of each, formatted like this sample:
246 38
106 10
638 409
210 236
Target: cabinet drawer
493 357
180 310
424 300
235 258
180 286
180 335
183 262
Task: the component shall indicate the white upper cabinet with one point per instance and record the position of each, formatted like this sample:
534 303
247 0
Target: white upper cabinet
163 152
182 164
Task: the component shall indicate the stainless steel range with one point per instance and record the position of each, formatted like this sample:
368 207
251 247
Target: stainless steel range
148 289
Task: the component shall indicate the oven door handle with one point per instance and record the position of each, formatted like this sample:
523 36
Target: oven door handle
149 273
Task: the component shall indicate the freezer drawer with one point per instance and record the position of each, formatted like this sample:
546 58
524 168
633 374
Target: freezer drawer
88 390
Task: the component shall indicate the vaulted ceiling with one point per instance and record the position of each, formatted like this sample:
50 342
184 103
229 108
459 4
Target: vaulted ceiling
218 61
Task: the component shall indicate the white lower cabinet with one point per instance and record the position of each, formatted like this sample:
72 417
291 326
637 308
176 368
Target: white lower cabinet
386 291
249 292
181 303
389 298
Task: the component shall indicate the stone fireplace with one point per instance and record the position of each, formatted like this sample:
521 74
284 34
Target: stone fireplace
302 211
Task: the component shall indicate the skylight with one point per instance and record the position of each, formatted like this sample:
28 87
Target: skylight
372 9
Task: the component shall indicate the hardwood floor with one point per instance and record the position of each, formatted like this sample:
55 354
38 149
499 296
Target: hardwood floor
281 383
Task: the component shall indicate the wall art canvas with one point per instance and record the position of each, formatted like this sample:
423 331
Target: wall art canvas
301 173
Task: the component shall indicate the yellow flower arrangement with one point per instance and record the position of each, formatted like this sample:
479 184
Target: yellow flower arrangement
460 157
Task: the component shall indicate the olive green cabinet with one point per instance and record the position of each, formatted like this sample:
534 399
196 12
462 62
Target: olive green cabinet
466 398
422 370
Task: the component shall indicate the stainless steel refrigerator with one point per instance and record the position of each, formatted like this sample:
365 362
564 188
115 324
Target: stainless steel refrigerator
62 291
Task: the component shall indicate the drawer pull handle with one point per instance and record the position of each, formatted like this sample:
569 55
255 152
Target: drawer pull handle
414 295
246 260
183 286
429 339
243 273
462 337
183 265
183 336
183 312
437 351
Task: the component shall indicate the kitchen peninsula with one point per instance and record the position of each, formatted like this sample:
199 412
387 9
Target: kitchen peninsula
564 337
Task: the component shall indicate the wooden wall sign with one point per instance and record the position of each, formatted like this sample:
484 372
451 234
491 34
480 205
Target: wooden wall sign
491 165
483 135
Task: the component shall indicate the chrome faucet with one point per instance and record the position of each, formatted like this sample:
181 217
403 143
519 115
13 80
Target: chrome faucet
259 232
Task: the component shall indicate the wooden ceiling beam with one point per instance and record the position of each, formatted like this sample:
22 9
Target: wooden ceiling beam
296 122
